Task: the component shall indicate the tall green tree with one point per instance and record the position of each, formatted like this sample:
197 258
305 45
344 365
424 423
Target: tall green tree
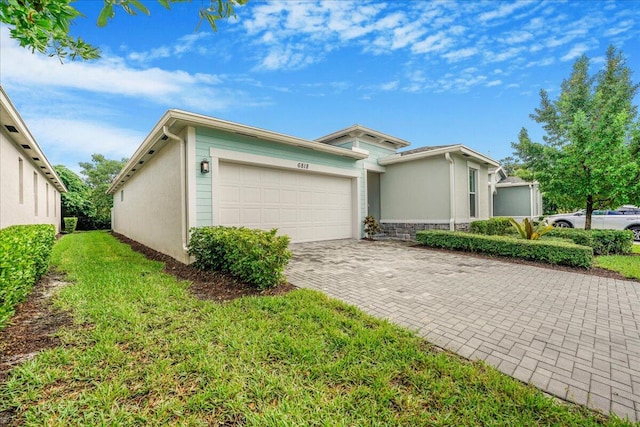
44 25
76 201
99 173
591 131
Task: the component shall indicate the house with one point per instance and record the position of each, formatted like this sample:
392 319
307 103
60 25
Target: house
194 170
515 197
29 186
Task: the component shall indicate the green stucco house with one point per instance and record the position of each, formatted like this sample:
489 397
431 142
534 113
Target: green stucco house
194 170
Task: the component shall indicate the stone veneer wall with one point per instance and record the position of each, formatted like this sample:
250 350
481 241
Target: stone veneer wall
407 231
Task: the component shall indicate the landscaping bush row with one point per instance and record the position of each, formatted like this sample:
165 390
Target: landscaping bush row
603 242
551 252
499 226
25 251
255 256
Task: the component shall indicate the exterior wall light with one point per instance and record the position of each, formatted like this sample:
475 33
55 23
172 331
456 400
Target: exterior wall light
204 166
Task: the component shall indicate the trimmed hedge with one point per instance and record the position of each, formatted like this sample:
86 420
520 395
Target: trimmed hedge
551 252
255 256
499 226
25 251
603 242
70 224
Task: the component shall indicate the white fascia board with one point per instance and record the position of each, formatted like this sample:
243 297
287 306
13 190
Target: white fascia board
10 116
266 135
178 119
516 184
399 158
345 132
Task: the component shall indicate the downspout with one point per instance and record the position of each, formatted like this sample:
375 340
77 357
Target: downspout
531 201
183 185
452 186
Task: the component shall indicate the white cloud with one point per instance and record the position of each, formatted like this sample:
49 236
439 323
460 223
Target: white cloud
88 137
459 55
113 76
432 43
575 52
504 10
389 86
493 83
516 37
541 63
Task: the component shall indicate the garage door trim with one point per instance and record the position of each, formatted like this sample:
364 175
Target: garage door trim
218 155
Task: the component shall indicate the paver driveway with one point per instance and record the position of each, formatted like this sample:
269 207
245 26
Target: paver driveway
573 335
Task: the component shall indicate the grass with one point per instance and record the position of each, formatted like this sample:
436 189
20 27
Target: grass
145 352
628 266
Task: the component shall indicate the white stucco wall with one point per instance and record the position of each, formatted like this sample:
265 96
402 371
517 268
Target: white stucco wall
40 202
415 191
148 208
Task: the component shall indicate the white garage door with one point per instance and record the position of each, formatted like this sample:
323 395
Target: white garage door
303 205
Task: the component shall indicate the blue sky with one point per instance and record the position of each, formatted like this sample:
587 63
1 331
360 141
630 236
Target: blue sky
432 73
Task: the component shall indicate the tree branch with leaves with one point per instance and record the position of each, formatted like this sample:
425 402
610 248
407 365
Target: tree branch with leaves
44 25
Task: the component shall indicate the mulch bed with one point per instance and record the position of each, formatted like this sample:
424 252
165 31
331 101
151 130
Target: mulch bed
33 326
209 285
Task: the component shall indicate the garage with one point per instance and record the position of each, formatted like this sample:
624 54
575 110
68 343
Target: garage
304 205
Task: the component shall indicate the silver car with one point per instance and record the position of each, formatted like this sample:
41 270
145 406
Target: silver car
626 217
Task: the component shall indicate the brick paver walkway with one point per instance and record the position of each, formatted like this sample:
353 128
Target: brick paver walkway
573 335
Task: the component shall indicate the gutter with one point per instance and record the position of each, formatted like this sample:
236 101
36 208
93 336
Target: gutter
452 185
184 198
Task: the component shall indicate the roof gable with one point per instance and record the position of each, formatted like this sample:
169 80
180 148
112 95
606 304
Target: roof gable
365 134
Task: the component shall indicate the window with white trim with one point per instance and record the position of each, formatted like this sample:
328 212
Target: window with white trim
473 193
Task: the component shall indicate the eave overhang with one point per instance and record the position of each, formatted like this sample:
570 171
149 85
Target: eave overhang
453 149
176 120
16 130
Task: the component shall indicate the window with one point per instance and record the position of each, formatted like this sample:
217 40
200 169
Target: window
46 186
122 195
473 193
35 193
20 181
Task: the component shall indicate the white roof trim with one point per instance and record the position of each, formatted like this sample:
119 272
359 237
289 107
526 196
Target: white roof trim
178 119
9 116
517 184
399 158
359 128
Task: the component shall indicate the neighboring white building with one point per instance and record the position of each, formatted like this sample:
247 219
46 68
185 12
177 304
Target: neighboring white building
29 186
193 170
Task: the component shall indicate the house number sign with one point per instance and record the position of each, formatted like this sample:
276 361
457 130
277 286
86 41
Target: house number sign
303 165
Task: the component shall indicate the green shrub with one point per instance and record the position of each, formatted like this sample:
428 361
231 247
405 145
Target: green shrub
529 230
495 226
551 252
24 257
603 242
70 224
255 256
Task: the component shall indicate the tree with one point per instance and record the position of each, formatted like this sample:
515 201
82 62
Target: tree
586 159
76 201
98 175
44 25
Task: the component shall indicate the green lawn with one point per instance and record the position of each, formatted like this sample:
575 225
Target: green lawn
628 266
145 352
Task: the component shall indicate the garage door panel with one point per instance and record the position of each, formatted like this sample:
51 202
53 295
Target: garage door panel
303 205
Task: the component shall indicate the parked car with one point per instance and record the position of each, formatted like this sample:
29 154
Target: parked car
626 217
